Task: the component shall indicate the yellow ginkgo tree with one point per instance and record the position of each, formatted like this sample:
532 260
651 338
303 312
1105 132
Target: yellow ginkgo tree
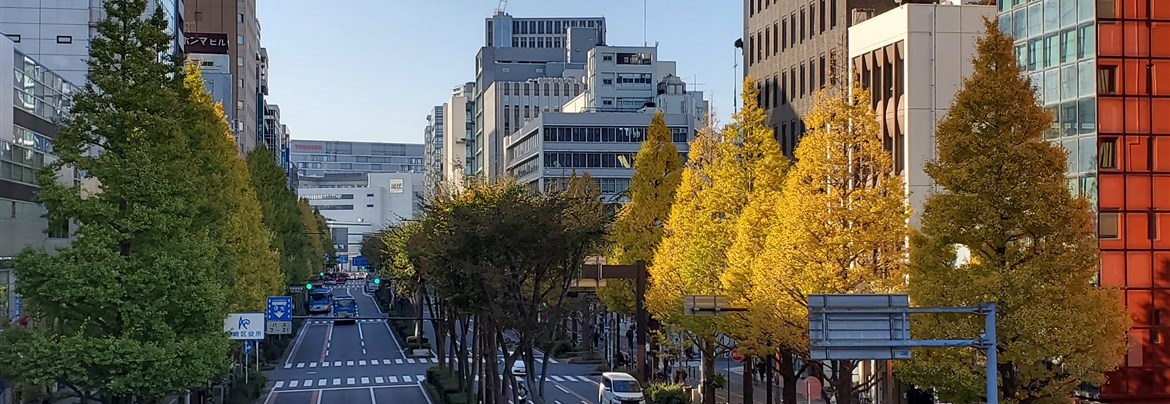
1004 228
843 225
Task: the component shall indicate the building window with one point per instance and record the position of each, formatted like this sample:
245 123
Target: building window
59 230
833 10
784 34
775 38
369 195
369 205
64 39
802 80
1107 154
1107 79
822 71
13 37
812 20
240 18
783 87
823 16
1108 225
198 16
803 22
767 42
792 29
240 39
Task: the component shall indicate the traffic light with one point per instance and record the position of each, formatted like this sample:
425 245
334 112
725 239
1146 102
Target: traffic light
322 273
377 281
308 286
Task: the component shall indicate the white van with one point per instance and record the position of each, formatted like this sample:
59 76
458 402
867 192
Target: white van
619 388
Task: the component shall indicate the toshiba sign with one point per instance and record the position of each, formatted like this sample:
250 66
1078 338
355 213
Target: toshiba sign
308 147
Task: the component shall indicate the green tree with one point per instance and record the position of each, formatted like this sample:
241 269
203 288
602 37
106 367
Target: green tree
281 215
320 251
138 291
228 205
639 225
1004 228
844 224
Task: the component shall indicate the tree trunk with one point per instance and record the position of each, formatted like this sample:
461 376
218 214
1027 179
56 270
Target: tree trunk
748 381
418 307
788 375
707 352
843 381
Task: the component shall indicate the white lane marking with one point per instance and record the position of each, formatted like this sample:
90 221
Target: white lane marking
363 351
408 360
365 380
392 338
308 383
425 394
288 365
296 345
373 400
348 363
362 363
393 379
321 382
361 335
398 361
556 378
420 377
406 379
307 390
336 382
379 380
561 389
434 360
294 383
336 363
300 365
349 380
324 364
313 364
279 384
385 361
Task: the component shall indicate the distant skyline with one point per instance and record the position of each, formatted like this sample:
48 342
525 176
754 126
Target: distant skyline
371 70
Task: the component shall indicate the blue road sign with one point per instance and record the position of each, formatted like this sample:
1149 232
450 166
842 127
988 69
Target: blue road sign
247 347
341 259
359 261
280 308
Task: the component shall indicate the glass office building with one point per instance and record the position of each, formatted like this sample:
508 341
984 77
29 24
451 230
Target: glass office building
1103 67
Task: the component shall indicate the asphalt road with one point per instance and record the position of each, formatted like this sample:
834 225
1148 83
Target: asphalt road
348 363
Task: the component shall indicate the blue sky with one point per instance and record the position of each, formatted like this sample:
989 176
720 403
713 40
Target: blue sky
371 70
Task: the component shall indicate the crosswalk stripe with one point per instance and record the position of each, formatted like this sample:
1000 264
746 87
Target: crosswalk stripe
556 378
337 382
294 383
551 360
398 361
325 364
308 383
300 365
312 364
393 379
410 361
348 363
365 380
361 363
385 361
321 382
288 366
586 379
406 379
349 380
420 377
336 363
379 379
434 360
279 383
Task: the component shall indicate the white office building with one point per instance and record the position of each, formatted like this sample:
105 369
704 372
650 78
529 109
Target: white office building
914 59
600 130
458 131
356 204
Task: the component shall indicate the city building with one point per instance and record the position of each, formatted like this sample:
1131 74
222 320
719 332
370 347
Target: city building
1099 66
504 31
509 105
913 59
356 204
458 128
535 55
433 142
276 137
794 47
230 27
316 158
600 131
32 100
57 33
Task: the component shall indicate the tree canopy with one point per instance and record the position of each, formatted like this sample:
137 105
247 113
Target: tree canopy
1004 228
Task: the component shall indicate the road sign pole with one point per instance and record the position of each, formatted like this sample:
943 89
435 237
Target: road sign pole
992 361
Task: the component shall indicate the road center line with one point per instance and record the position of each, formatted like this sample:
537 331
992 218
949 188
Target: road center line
372 398
328 337
361 335
297 344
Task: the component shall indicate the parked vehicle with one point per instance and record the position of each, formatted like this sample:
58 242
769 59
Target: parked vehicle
619 388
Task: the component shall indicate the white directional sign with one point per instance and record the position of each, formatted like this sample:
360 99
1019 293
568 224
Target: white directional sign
244 325
280 327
